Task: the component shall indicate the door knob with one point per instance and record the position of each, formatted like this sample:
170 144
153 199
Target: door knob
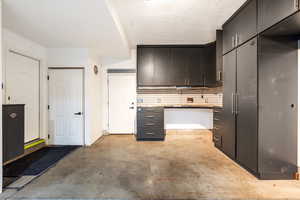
79 113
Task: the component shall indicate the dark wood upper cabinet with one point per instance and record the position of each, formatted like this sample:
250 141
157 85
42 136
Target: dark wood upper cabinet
241 27
196 69
162 64
247 22
271 12
219 57
177 65
145 62
229 35
180 69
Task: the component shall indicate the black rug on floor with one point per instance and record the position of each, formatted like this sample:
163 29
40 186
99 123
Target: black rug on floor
37 162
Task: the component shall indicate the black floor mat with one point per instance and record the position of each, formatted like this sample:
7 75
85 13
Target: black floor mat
37 162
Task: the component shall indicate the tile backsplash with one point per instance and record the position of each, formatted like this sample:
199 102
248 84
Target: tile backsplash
180 98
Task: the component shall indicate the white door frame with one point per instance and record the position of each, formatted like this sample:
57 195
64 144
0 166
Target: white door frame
50 140
118 71
8 51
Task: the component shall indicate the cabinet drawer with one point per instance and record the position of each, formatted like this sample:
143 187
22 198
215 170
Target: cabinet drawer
150 132
217 139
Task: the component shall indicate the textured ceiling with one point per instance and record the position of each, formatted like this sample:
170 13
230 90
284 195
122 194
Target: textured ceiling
66 24
107 26
173 21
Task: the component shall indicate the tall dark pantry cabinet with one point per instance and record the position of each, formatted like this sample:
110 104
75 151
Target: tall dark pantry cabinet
260 89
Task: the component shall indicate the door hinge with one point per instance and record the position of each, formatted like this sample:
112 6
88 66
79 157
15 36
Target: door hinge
2 85
48 77
48 107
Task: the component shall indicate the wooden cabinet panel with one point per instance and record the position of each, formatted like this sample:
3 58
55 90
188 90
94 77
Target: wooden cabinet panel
180 68
247 22
145 63
219 58
196 66
271 12
241 27
229 35
229 131
208 65
163 70
246 123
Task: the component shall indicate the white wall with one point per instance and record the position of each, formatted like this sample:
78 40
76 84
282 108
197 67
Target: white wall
81 57
13 41
1 145
94 97
193 119
129 63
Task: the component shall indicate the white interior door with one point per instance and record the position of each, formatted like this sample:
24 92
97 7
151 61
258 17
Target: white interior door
122 101
66 106
23 87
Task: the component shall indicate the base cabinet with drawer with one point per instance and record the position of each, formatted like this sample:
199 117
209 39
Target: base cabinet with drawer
13 131
150 123
217 130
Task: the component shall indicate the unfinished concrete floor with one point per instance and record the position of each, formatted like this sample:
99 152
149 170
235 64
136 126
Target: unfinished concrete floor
185 166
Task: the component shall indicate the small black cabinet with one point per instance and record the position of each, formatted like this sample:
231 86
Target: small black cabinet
13 131
271 12
150 123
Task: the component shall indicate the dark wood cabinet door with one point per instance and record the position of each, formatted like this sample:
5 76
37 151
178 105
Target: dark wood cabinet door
272 11
180 62
246 22
145 66
208 65
229 35
195 66
163 69
278 107
229 132
247 105
219 58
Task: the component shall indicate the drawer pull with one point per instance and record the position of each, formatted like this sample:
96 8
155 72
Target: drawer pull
216 119
149 124
216 139
149 116
150 133
13 115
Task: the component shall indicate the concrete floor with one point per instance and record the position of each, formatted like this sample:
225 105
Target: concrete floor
183 167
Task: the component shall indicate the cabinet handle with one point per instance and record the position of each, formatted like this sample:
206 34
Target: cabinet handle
216 139
150 133
232 103
149 116
233 41
237 104
237 40
149 124
219 77
296 4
